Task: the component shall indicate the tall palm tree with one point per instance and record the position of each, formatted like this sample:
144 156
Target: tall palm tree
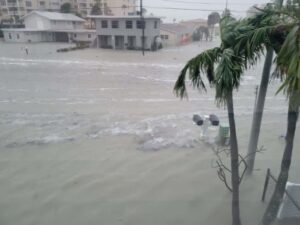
258 21
225 79
283 34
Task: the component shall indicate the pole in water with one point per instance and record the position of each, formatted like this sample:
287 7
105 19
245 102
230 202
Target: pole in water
143 27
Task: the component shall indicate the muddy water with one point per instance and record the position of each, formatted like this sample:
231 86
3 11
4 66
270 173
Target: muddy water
98 137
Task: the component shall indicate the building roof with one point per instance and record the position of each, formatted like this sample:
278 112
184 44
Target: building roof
57 16
175 28
123 17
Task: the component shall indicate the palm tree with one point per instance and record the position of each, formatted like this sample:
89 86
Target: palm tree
212 20
282 32
259 106
225 79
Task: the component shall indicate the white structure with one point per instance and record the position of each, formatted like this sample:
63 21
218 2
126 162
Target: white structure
14 9
175 34
126 32
50 26
287 208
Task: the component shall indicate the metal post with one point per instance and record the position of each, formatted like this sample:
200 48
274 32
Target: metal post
143 27
266 185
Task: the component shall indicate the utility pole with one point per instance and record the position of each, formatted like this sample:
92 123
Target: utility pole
143 27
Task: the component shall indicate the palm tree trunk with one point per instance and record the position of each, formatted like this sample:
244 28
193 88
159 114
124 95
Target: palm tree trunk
258 113
277 196
235 179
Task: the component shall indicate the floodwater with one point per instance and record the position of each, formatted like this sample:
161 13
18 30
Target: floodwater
98 137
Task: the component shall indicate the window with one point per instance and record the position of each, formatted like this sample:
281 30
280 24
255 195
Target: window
140 24
155 24
164 37
129 24
18 36
42 3
89 35
53 22
28 4
74 35
115 24
104 24
9 35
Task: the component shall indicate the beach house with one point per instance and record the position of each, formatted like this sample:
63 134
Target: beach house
50 27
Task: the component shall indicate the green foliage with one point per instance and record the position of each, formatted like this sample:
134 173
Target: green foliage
65 8
96 10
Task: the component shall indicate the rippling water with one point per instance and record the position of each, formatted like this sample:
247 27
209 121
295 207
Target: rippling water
92 93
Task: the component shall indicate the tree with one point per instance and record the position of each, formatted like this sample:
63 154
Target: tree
282 33
225 79
212 20
96 10
259 107
65 8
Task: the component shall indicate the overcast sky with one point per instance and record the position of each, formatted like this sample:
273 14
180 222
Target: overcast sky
201 8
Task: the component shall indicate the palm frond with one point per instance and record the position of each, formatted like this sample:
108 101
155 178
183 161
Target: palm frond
288 61
203 64
228 74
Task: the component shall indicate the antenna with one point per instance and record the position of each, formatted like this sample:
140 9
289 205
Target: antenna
226 7
143 27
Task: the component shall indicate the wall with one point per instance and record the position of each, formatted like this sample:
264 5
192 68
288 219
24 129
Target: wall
172 40
27 36
83 36
66 25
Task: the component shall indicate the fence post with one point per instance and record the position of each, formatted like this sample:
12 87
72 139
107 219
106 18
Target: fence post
266 185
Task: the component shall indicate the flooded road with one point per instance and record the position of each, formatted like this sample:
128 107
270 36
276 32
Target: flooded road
98 137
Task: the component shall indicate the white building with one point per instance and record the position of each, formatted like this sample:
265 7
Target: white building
125 32
50 26
14 9
175 34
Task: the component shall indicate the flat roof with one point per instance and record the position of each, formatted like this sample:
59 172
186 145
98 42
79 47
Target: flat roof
123 17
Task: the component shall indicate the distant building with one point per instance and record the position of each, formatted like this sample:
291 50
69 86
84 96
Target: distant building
15 9
125 32
49 27
174 34
194 23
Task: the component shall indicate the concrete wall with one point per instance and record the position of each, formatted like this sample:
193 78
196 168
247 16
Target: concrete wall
172 40
66 25
88 37
27 36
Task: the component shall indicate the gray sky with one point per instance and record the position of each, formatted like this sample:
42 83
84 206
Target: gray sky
238 8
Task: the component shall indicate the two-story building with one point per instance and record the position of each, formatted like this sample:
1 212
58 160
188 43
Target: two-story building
126 32
50 27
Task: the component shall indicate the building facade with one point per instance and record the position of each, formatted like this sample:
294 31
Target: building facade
126 32
174 34
14 9
50 27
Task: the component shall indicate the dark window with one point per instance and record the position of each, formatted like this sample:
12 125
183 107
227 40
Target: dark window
18 36
115 24
129 24
155 24
104 24
9 35
140 24
75 35
42 3
89 35
28 4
